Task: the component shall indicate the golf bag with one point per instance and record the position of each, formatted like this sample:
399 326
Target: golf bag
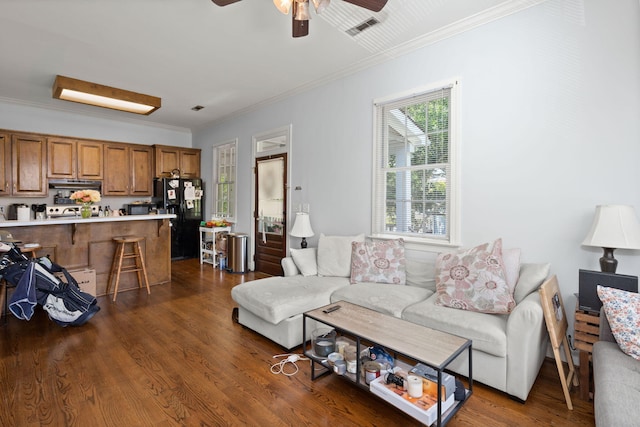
36 283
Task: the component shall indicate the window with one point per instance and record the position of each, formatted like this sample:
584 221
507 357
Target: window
415 192
224 177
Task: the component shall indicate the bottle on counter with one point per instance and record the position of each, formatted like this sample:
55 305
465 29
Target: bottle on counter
100 212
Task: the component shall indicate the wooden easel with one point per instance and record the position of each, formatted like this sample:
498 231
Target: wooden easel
556 319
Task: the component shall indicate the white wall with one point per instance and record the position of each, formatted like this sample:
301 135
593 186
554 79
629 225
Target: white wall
31 119
550 128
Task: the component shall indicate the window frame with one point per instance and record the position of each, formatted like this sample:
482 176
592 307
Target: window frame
232 201
378 211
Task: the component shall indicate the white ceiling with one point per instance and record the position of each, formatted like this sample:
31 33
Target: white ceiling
192 52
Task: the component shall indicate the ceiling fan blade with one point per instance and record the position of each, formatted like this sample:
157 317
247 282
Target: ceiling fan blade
300 28
224 2
373 5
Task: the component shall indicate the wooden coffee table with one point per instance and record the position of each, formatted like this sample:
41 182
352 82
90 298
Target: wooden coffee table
399 337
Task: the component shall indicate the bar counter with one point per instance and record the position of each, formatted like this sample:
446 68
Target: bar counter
77 243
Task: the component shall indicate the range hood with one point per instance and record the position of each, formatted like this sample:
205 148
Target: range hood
75 184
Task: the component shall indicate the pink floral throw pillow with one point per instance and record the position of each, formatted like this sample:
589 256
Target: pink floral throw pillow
379 262
622 309
474 280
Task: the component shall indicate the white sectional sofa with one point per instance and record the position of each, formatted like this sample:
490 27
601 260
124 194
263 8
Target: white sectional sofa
508 349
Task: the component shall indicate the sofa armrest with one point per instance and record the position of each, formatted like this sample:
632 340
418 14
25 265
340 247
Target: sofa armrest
289 267
527 341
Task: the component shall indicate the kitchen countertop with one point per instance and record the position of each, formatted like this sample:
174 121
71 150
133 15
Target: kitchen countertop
75 220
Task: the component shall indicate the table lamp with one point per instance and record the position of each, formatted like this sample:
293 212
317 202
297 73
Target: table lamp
302 228
614 227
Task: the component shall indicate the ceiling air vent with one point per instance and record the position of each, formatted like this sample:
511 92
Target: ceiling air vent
362 26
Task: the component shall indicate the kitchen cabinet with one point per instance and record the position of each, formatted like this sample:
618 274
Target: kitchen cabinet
127 170
28 165
90 161
74 159
61 158
5 164
168 159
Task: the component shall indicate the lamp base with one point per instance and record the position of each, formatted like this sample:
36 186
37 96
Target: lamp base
303 244
608 263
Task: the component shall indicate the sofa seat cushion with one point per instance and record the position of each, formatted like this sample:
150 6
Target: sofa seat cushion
617 385
277 298
487 331
382 297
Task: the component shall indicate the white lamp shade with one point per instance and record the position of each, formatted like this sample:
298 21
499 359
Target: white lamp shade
302 226
615 227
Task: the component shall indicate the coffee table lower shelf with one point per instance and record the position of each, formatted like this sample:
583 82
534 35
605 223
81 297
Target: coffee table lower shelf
345 326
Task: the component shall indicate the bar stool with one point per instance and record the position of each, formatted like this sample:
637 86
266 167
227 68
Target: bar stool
119 255
30 248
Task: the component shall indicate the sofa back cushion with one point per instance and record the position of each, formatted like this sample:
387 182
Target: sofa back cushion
421 273
334 255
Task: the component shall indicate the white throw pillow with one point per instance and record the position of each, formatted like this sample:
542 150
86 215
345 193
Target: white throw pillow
511 260
334 255
305 260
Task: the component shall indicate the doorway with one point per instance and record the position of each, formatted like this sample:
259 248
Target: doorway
270 200
270 213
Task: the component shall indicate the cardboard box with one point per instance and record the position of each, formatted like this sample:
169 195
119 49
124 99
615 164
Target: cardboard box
85 277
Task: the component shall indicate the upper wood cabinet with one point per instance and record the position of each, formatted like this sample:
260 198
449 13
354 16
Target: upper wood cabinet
127 170
71 159
185 160
5 164
28 165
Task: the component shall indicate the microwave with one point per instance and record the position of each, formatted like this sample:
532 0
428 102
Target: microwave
140 208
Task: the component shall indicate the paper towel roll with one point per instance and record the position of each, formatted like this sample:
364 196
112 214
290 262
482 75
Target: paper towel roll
414 386
24 214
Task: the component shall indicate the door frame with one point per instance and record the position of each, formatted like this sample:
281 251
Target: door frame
260 149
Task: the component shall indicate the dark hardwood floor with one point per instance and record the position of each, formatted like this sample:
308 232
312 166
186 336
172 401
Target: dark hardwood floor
176 358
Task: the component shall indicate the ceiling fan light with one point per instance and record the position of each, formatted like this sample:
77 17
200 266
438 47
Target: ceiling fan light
321 5
283 5
302 11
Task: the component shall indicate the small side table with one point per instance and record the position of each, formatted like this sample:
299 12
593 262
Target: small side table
587 332
208 243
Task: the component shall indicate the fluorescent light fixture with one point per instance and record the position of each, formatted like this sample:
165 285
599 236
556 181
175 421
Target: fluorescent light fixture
74 90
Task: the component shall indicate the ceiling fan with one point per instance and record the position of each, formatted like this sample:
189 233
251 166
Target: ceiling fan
300 8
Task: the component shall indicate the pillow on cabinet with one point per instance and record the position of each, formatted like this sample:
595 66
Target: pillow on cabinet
622 309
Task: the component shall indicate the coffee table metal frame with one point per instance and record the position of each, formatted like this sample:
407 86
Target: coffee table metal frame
375 328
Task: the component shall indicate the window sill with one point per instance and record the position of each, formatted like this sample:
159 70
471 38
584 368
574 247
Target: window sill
422 244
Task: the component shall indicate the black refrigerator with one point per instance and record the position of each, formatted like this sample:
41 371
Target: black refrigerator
185 198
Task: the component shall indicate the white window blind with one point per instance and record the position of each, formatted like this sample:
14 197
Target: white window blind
224 162
414 166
